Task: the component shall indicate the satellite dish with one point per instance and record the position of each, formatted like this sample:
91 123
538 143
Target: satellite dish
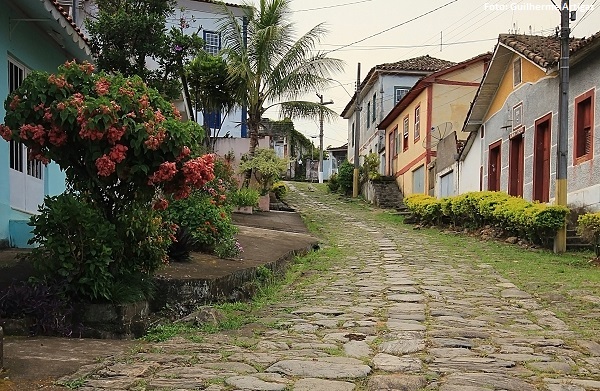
437 134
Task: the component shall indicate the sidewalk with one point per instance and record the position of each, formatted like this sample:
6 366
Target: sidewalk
35 363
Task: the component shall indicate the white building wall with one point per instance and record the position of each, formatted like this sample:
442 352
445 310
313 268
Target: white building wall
468 169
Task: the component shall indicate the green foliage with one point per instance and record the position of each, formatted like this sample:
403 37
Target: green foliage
279 189
588 227
207 221
266 166
245 197
345 177
536 222
370 168
333 184
272 65
228 248
76 244
94 256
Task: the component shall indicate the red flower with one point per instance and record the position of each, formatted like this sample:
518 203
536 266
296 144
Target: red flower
198 171
158 116
166 171
14 102
5 132
87 68
115 134
57 136
102 86
185 152
118 153
160 204
105 166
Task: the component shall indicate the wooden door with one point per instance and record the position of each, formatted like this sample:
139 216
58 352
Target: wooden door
494 166
515 167
541 159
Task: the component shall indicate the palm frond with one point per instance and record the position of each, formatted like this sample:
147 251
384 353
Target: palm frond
306 109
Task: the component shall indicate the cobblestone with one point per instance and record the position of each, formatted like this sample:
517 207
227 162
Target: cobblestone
391 314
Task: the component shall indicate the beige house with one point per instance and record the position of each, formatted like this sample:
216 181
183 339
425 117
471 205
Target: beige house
435 106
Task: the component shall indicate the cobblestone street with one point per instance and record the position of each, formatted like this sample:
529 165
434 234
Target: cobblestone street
394 312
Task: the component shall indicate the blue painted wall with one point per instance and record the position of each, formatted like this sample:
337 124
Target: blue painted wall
29 44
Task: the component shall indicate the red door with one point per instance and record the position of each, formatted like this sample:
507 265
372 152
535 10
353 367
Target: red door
541 159
515 167
494 168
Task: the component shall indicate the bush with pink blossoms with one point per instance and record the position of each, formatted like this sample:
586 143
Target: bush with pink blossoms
120 144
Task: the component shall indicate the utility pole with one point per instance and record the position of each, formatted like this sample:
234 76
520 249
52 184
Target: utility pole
356 135
560 242
330 102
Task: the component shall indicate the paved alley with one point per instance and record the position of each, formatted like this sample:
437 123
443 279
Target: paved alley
392 313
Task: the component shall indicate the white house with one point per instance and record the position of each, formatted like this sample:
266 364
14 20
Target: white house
381 89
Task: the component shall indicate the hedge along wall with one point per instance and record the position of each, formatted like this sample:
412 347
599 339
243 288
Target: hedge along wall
533 221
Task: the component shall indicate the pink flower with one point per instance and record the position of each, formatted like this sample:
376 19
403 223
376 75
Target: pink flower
14 102
5 132
57 136
118 153
160 204
102 86
115 134
105 166
158 116
166 171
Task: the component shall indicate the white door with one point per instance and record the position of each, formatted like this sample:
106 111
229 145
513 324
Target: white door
26 177
447 184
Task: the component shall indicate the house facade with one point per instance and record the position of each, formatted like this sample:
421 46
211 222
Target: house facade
383 87
513 122
202 17
39 35
435 106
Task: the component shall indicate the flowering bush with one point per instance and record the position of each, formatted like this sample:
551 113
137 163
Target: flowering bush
124 149
116 139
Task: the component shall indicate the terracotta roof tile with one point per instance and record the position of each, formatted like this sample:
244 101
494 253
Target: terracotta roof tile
70 20
423 63
544 51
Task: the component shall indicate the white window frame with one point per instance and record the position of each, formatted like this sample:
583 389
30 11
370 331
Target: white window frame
399 93
212 42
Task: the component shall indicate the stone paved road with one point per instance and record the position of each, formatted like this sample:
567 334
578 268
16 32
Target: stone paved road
394 313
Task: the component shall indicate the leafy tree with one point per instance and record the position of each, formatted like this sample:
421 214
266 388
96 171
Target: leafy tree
126 33
266 166
273 67
211 89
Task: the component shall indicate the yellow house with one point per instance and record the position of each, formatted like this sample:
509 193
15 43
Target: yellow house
433 107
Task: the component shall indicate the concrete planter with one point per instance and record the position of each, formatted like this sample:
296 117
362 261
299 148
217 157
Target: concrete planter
114 321
247 210
264 202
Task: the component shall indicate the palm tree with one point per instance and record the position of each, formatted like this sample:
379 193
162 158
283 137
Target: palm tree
272 67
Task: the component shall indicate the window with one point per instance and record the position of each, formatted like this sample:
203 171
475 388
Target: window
212 120
368 113
394 142
18 151
397 142
374 114
517 118
212 42
352 134
583 127
399 93
405 134
417 132
517 72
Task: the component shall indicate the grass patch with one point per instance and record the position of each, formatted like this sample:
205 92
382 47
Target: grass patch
565 283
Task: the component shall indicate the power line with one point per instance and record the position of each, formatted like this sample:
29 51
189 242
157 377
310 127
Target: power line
393 27
591 8
411 46
333 6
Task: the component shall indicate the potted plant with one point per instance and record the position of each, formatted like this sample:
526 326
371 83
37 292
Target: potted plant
245 199
266 168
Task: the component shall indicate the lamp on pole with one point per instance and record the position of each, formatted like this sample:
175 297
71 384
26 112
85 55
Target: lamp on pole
330 102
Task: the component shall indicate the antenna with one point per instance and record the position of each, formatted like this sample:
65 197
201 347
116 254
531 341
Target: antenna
437 134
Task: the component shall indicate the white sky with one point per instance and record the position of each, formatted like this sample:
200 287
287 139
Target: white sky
461 21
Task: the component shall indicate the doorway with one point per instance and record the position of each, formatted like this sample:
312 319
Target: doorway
541 159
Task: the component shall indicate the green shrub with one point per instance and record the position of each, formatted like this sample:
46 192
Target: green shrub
370 168
345 177
279 189
588 227
207 221
93 257
333 184
266 167
245 197
534 221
